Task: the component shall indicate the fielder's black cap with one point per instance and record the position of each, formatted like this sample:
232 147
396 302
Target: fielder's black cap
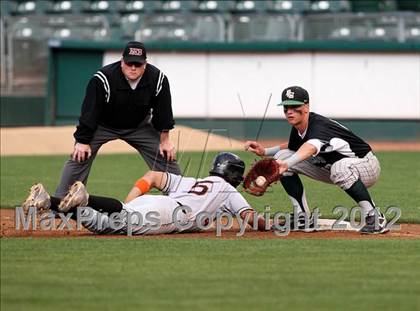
134 52
294 95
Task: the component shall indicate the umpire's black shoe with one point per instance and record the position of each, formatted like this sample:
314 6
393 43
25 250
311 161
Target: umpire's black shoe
375 224
302 222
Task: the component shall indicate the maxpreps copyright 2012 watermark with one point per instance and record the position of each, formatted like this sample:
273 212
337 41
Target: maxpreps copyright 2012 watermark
280 223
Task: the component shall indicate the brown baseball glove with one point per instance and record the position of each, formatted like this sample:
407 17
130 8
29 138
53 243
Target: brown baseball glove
269 169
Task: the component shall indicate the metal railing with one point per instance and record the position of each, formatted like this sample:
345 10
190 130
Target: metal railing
392 26
3 63
27 43
24 48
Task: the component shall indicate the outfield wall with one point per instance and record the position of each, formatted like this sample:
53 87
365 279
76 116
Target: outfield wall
341 85
346 81
376 85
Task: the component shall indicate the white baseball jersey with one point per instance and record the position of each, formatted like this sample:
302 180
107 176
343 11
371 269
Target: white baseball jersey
211 195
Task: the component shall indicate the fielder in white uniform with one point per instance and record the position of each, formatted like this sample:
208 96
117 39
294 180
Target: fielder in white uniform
186 203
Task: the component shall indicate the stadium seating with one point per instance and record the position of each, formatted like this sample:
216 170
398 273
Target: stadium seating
3 71
67 7
27 25
212 6
288 6
136 7
259 27
248 6
28 54
361 27
28 36
181 27
323 6
412 28
7 7
32 7
130 23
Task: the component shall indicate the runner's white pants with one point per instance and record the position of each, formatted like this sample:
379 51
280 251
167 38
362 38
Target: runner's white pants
147 214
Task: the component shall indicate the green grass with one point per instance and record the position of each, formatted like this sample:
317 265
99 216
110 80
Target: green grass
113 175
209 274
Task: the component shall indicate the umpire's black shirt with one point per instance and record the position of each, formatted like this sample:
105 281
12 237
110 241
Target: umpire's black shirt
111 102
332 140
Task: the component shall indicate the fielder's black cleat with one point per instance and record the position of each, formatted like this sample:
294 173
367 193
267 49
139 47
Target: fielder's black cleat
302 222
375 224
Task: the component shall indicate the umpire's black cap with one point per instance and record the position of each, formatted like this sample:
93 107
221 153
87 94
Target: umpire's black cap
134 52
294 95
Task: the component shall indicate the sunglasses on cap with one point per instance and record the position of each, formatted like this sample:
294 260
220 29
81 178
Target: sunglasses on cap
135 64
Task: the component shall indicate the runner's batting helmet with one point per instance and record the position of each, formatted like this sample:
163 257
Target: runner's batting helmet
228 166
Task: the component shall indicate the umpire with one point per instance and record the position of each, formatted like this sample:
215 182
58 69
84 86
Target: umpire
128 100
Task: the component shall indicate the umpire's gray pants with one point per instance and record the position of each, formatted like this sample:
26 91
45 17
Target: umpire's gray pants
145 139
343 173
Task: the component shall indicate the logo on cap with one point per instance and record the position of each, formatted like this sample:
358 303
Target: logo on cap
290 94
135 51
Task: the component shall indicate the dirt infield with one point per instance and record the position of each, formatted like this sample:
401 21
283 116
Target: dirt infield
59 140
7 216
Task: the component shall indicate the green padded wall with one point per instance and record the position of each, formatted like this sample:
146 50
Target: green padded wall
22 110
71 71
